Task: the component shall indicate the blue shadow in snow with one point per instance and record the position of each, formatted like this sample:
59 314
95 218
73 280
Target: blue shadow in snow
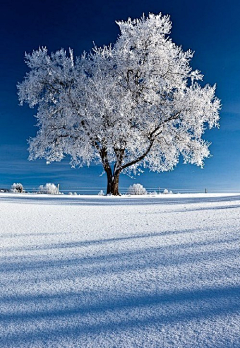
204 304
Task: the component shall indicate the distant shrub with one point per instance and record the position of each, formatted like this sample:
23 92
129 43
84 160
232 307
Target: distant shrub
17 188
72 193
167 192
136 189
154 193
49 188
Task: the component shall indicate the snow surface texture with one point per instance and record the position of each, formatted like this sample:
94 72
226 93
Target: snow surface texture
120 272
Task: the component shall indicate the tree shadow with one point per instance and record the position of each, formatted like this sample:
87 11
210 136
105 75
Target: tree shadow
121 313
99 309
91 242
175 253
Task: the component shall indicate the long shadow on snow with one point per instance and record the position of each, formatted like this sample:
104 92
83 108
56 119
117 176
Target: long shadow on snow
89 243
73 314
118 264
161 255
92 242
208 303
215 295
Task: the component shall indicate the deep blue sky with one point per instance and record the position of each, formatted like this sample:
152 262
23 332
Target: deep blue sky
208 27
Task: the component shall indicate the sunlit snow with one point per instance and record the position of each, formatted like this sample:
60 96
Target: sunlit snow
125 271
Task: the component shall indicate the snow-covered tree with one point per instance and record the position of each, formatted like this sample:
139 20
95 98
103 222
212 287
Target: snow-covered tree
17 188
50 189
136 189
134 105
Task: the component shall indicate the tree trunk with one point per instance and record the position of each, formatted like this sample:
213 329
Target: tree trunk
112 175
112 184
109 181
115 183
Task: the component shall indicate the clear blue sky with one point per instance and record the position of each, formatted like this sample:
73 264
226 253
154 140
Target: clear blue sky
208 27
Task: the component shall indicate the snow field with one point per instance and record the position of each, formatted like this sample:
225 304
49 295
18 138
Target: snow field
120 272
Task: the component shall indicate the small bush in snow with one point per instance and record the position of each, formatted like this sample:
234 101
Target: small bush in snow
137 189
154 193
50 189
101 193
17 188
167 192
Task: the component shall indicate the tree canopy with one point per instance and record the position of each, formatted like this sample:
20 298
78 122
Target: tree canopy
132 105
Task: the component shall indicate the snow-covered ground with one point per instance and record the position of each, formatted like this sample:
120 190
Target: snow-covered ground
126 272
